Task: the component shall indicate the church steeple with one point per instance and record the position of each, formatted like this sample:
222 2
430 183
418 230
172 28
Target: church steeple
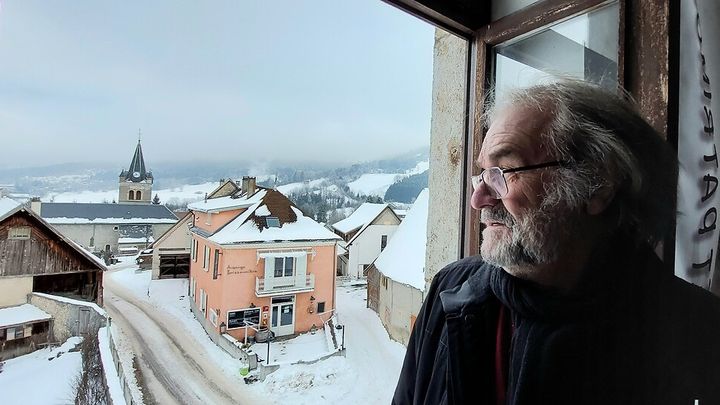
135 183
137 172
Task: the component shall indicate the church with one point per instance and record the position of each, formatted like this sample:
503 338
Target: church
125 227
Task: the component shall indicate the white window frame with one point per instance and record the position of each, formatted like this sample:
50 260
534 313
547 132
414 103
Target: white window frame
206 258
193 250
19 232
203 301
192 287
213 316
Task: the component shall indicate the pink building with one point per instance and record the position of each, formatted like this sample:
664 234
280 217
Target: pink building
257 260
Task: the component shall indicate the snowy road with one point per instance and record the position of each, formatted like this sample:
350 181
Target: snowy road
175 368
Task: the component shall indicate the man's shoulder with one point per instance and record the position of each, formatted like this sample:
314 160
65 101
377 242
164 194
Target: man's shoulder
456 273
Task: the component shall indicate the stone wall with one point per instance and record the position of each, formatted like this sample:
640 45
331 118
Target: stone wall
70 317
447 133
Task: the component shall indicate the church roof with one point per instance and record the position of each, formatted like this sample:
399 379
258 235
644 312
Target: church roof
137 172
84 213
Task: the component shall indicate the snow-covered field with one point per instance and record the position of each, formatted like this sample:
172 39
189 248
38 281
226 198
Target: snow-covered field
378 183
367 375
42 377
178 195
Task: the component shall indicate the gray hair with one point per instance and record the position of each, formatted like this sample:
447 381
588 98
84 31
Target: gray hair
605 144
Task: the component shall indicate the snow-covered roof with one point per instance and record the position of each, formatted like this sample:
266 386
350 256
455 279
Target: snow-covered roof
84 213
227 203
395 261
362 216
7 205
241 230
21 314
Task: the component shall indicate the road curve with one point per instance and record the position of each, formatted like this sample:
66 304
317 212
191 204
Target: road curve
175 367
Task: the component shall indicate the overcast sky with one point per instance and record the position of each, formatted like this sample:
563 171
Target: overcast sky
310 80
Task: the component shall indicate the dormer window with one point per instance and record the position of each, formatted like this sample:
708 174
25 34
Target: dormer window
272 222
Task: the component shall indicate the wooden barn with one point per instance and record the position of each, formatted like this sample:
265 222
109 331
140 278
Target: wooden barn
35 257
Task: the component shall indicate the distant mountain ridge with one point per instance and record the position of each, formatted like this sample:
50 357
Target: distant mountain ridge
326 193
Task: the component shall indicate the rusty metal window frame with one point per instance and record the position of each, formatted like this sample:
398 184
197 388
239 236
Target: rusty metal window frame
514 26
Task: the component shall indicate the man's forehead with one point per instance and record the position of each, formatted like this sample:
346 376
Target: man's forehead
515 133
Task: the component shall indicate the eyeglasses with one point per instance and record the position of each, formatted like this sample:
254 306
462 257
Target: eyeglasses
494 177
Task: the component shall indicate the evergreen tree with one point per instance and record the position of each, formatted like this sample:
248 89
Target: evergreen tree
156 200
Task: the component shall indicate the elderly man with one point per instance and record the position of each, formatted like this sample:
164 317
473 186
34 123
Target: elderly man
568 303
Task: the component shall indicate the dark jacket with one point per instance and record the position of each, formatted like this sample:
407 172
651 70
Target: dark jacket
630 335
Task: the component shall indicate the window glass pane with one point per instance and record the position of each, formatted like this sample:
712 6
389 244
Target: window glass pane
289 265
286 318
278 267
584 47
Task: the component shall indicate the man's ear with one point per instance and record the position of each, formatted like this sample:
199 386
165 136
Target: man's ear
600 200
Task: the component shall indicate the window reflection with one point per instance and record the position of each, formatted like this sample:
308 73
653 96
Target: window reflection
584 47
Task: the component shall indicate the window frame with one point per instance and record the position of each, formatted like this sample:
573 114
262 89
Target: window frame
21 232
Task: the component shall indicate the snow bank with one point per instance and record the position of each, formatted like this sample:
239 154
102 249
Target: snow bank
111 376
44 376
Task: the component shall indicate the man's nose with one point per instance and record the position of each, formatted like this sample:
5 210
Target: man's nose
483 197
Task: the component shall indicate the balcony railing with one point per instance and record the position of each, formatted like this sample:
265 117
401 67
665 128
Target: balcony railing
268 286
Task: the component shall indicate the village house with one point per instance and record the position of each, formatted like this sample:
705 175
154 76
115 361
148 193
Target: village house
36 258
170 257
256 260
396 279
366 232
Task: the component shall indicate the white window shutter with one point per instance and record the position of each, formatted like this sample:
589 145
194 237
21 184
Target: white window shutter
300 270
269 272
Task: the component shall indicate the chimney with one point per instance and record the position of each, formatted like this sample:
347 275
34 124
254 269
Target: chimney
35 205
248 185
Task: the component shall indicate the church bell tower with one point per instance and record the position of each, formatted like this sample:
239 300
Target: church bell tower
135 183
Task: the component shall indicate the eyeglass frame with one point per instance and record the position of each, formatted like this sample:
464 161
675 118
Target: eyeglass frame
477 179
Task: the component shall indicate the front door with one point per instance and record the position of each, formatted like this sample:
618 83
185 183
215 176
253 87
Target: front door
282 315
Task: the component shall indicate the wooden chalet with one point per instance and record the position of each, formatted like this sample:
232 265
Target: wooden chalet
35 257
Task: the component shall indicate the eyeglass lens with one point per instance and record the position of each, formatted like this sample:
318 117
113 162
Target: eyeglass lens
495 180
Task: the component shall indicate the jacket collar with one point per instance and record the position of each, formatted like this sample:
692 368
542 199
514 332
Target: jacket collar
474 292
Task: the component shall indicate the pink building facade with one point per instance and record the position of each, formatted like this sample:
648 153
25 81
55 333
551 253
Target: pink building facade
257 261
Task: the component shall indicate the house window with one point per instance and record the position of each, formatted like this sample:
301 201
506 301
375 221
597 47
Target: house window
203 301
383 281
206 257
192 287
131 195
138 195
241 317
272 222
321 307
215 264
284 266
19 232
208 218
383 242
213 317
193 250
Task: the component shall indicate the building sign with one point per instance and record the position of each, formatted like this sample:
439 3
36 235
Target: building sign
698 197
